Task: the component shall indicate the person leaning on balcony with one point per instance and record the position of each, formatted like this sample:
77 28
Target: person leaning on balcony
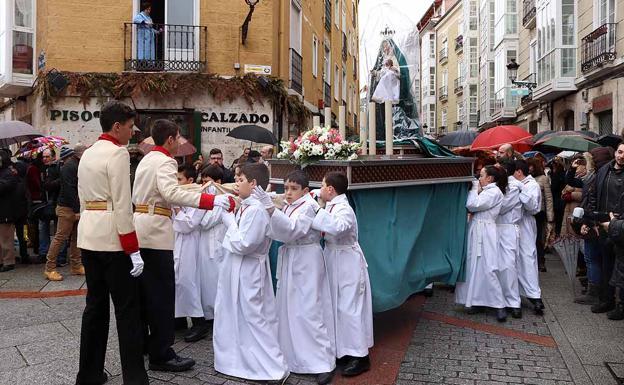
146 34
68 213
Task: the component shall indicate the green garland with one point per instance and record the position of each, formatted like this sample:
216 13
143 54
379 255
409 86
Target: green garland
158 86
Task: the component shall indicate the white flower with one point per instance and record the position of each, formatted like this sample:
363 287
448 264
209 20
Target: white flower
353 157
317 149
297 154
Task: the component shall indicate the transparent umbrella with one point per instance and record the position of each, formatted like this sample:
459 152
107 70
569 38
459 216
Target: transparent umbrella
568 247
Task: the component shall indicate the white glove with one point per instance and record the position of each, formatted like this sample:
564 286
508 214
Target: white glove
222 201
137 263
264 198
228 219
315 193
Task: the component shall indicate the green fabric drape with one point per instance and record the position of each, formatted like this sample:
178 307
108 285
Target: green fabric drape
411 236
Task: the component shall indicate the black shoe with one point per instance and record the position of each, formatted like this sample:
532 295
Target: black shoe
180 323
501 315
516 312
542 267
356 366
7 268
342 361
603 307
473 310
538 305
324 378
176 364
102 380
197 332
616 314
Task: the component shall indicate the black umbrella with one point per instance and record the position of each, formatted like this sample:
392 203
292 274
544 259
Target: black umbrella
610 140
14 131
253 133
458 138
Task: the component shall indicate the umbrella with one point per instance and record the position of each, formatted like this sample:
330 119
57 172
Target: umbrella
184 146
14 131
568 247
610 140
583 134
496 136
253 133
38 145
458 138
573 143
567 154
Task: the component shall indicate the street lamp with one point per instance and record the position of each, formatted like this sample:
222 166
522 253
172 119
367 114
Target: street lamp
245 27
512 71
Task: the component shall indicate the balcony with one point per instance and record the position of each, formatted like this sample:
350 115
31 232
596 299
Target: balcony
443 94
459 43
598 47
327 95
165 47
528 14
459 86
443 55
344 46
296 72
505 104
328 14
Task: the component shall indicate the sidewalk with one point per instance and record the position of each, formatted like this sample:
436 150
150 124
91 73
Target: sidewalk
425 341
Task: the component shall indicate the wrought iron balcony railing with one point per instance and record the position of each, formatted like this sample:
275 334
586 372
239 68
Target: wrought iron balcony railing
443 54
296 71
528 14
328 14
598 47
458 85
165 47
459 43
443 93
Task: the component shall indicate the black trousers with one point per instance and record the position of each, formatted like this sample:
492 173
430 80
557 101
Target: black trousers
108 274
607 292
158 303
540 244
19 232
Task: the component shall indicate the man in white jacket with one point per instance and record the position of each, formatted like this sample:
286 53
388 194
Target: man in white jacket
528 274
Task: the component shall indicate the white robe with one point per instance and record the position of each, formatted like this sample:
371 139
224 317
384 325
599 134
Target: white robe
528 276
304 306
211 234
348 278
508 240
389 85
245 328
185 261
482 287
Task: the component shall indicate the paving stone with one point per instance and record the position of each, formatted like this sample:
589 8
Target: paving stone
35 333
10 359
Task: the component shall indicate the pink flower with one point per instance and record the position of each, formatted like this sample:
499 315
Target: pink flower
313 139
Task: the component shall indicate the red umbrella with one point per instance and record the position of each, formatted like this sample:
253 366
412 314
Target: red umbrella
496 136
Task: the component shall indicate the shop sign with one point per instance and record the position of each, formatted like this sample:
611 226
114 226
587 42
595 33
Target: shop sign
257 69
602 103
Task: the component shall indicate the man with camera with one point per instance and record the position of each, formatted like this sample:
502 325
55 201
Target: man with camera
607 197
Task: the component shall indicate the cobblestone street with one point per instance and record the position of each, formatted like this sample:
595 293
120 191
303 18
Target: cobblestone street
425 341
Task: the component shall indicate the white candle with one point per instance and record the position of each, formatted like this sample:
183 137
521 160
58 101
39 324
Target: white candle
316 121
389 128
372 130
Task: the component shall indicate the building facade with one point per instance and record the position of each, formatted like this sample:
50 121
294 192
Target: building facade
312 46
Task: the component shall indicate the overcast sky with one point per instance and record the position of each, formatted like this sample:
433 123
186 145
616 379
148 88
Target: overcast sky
400 15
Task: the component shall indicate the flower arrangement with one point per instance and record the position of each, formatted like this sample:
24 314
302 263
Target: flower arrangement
319 143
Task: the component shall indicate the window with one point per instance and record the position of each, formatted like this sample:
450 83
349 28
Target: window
460 111
354 14
605 12
327 65
314 56
432 116
344 16
444 117
336 83
432 46
444 82
474 58
344 82
295 27
23 37
337 13
432 81
460 70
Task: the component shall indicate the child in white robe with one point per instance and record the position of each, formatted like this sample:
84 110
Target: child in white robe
186 225
482 286
306 324
348 276
210 244
245 337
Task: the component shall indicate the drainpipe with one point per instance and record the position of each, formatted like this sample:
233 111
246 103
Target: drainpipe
552 113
